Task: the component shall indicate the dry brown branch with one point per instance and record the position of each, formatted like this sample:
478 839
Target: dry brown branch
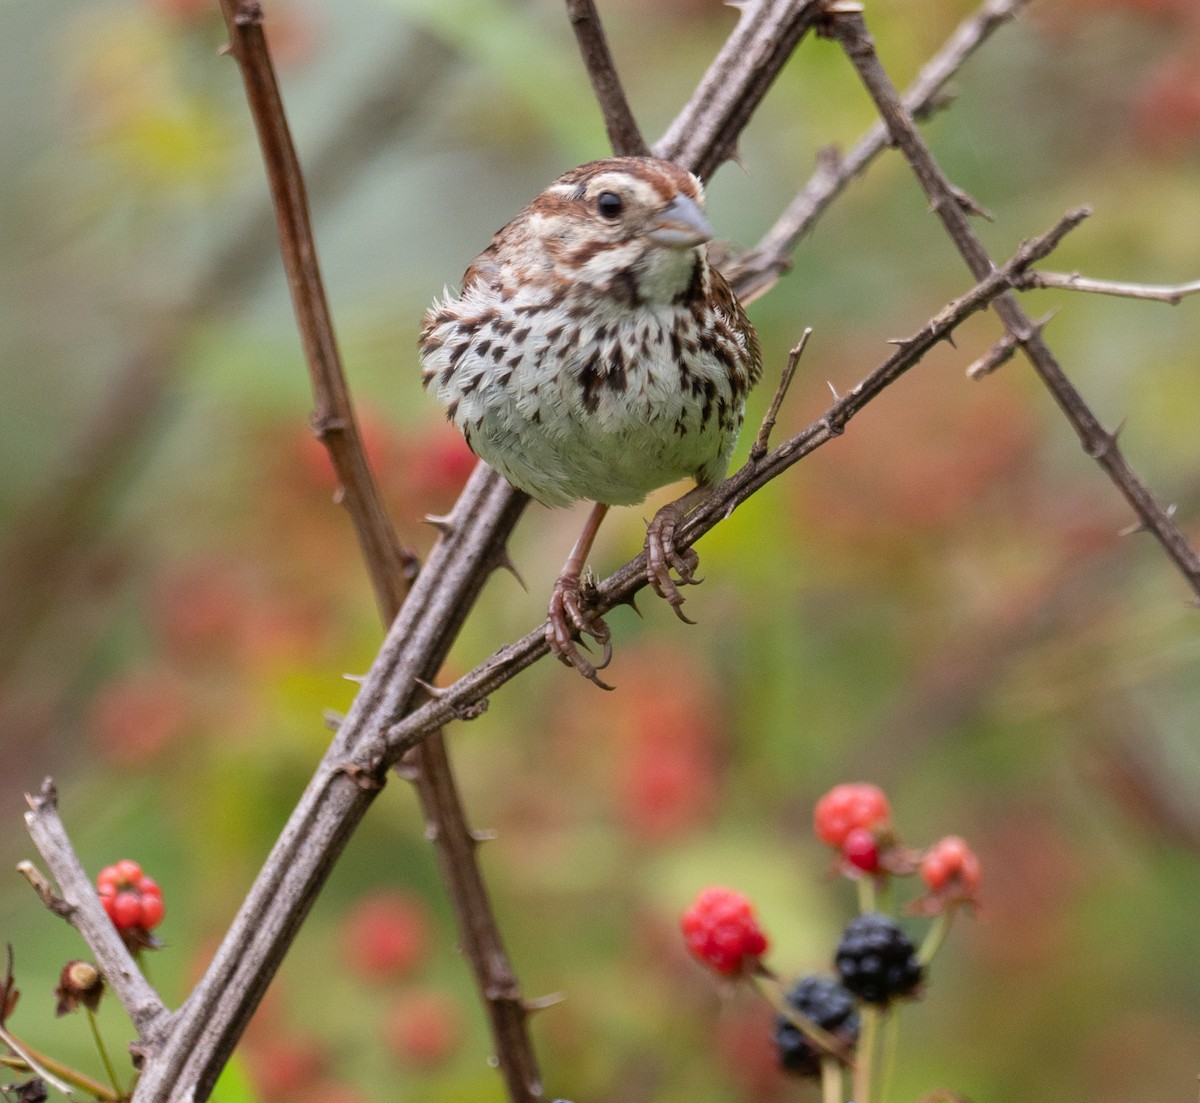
619 123
390 568
704 134
1172 294
848 27
81 907
762 442
756 271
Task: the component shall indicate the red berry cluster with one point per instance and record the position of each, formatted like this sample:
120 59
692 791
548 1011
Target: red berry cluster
720 930
132 900
856 820
952 874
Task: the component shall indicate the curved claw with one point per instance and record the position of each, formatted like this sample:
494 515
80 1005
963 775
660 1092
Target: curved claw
566 619
662 558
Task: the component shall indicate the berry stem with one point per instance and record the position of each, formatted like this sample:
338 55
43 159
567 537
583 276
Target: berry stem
866 894
936 935
864 1066
891 1051
28 1059
883 893
103 1050
831 1080
769 986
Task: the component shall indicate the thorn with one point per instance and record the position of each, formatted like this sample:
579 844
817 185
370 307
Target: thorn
357 679
833 390
541 1003
333 719
971 205
504 562
1132 529
631 601
441 523
948 337
483 835
436 692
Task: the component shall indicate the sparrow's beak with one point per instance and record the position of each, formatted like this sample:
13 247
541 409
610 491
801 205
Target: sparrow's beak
682 225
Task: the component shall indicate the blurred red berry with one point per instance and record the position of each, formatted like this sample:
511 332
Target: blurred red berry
147 886
441 465
952 873
128 871
386 935
127 910
152 911
1167 111
861 850
284 1065
136 716
423 1028
847 807
132 900
720 930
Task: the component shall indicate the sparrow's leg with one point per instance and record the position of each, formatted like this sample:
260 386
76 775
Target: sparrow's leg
566 615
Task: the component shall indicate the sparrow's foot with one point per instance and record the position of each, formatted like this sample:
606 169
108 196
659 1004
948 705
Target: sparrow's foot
567 619
662 558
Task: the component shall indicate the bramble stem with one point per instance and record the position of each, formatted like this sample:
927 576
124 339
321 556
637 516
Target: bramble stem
103 1050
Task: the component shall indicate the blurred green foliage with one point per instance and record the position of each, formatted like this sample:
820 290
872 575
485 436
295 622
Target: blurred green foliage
939 602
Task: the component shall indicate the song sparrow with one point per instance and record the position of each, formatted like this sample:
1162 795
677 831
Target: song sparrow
594 354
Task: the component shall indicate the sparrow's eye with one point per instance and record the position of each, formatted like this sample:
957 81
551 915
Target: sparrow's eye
609 204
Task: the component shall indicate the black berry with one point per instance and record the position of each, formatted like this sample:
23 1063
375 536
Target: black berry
876 960
827 1004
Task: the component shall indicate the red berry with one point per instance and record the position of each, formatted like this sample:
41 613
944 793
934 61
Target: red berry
126 910
849 806
107 895
152 912
386 935
128 871
950 866
424 1028
720 930
147 886
107 878
861 850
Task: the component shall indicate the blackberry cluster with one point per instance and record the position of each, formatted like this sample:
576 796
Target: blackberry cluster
876 960
827 1004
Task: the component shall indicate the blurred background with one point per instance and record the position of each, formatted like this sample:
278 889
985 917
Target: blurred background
939 602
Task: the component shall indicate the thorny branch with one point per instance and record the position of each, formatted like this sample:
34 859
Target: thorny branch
619 123
1172 294
849 28
754 273
705 133
390 568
